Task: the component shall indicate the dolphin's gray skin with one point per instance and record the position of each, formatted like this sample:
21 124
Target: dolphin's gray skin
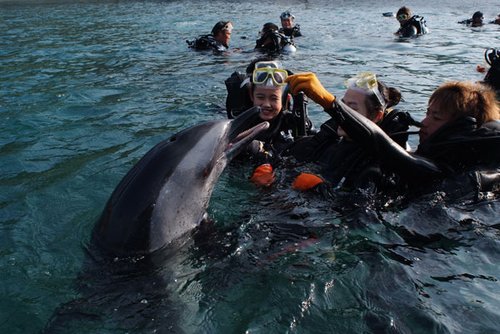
167 192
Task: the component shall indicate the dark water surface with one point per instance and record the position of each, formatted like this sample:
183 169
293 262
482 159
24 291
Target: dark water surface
87 88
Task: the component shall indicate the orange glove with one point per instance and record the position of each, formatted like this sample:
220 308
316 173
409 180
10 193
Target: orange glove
306 181
263 175
312 87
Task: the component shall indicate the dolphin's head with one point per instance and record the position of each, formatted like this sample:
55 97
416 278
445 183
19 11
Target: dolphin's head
240 135
195 176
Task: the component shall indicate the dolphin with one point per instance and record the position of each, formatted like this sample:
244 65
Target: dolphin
167 192
126 276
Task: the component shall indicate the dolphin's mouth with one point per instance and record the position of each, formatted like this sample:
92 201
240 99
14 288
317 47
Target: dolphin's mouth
235 146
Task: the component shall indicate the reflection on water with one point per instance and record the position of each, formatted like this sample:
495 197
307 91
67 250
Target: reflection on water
87 88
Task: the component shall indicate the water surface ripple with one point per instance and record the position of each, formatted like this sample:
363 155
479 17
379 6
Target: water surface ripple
86 88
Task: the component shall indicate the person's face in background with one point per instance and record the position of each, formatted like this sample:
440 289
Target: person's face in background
223 36
287 23
356 100
403 18
477 22
434 119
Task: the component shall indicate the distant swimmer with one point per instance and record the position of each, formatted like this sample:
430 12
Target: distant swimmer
273 42
410 25
217 40
288 25
477 20
496 20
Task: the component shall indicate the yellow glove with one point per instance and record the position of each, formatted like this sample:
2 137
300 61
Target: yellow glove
306 181
312 87
263 175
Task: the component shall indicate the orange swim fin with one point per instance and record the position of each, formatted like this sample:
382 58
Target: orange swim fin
306 181
263 175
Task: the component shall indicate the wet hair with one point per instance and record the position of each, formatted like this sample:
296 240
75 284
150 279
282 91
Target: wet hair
391 95
269 26
463 98
477 15
404 10
219 26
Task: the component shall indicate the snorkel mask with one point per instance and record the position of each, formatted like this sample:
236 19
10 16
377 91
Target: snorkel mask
287 15
402 17
366 82
222 26
269 73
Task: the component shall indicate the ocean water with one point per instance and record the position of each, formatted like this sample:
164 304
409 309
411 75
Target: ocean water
86 88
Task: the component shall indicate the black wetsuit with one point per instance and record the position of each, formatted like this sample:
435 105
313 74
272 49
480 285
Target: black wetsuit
272 42
459 149
415 26
284 129
207 42
238 97
471 23
345 162
291 32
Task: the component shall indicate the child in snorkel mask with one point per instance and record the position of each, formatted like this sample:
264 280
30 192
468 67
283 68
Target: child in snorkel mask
268 83
268 92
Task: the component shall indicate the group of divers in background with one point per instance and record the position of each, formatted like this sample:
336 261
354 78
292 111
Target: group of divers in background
275 40
363 146
272 39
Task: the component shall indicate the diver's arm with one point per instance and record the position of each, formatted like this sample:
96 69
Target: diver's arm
362 130
375 140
